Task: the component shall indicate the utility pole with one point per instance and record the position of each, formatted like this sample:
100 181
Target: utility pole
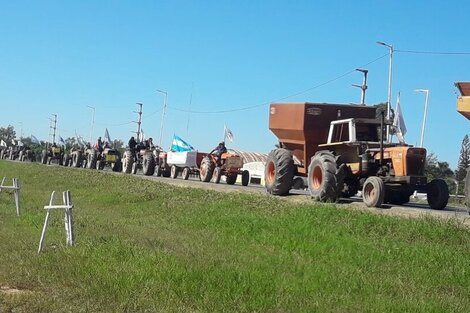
389 98
52 127
163 116
139 120
363 86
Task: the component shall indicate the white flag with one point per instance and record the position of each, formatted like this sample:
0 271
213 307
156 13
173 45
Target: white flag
13 142
399 122
3 143
228 134
61 141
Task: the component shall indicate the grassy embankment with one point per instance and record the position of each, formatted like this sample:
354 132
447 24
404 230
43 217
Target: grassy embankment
147 246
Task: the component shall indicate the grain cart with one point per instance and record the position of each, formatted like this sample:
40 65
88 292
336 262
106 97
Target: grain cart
341 149
109 157
229 164
463 107
184 162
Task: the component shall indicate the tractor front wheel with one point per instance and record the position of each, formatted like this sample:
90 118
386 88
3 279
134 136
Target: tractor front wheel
323 182
437 194
127 162
373 192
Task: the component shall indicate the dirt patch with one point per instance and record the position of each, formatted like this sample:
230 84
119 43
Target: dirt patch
12 291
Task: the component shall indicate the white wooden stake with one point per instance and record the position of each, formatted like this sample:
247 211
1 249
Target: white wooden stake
16 188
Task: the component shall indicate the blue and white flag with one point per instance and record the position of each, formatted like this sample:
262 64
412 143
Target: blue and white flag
180 145
34 139
61 141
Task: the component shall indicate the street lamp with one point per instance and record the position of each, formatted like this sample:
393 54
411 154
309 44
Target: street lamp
21 129
92 123
389 99
426 91
163 115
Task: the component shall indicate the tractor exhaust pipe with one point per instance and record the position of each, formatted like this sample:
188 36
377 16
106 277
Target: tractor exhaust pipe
382 137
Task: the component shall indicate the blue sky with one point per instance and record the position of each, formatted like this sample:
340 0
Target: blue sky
58 57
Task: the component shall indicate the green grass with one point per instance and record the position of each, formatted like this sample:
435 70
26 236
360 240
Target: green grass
144 246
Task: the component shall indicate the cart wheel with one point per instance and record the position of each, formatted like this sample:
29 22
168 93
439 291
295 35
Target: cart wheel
173 171
185 173
245 178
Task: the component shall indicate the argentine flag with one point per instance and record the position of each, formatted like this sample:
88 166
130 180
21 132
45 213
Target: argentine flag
180 145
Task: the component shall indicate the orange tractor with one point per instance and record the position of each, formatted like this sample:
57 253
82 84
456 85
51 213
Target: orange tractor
229 164
342 149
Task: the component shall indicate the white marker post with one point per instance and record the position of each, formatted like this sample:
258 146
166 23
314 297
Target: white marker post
16 188
67 206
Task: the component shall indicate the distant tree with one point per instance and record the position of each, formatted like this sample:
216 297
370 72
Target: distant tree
7 134
464 160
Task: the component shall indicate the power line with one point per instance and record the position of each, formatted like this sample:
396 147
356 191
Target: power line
432 52
279 99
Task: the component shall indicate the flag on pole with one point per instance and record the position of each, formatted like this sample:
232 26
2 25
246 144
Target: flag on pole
61 141
179 144
80 139
13 142
228 134
3 143
34 139
107 137
20 143
399 122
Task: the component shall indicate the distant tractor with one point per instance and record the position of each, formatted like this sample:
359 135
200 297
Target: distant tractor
109 157
142 158
53 154
342 149
26 154
229 164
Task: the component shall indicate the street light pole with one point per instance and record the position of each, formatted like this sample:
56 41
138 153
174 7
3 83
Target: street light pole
389 99
426 91
163 115
21 129
92 123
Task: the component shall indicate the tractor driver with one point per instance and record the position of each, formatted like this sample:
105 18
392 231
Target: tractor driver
99 145
218 151
132 144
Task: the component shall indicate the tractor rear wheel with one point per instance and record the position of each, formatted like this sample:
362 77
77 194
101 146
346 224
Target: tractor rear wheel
148 164
66 160
91 160
185 173
158 170
117 167
216 175
44 157
437 194
206 170
127 161
231 178
98 164
373 192
76 158
279 172
21 156
323 177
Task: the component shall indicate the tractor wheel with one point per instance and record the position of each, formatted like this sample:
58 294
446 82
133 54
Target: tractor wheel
117 167
1 154
373 192
21 156
323 177
76 159
173 171
44 157
148 164
279 172
66 160
185 173
98 164
231 178
206 170
158 170
245 178
134 168
437 194
49 159
216 175
91 160
127 161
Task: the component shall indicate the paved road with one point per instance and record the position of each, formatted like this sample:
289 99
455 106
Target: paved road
301 196
414 210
